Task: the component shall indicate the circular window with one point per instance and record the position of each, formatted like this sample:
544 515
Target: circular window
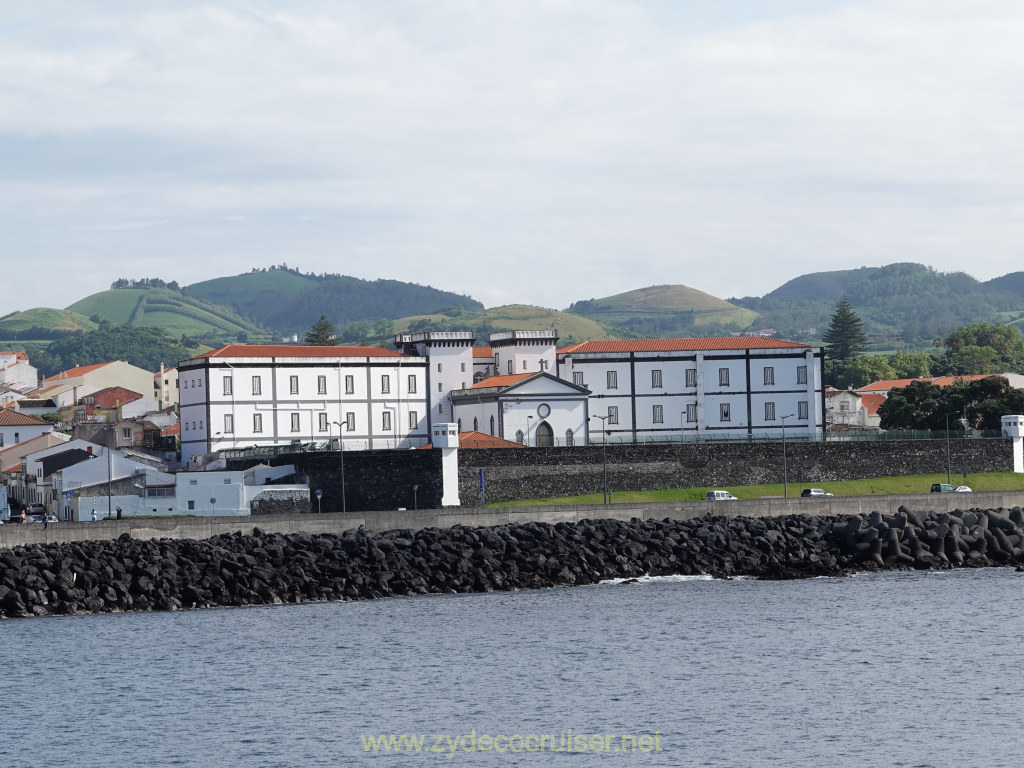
543 410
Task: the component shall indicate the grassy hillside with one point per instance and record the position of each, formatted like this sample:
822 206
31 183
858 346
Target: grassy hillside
291 302
55 319
667 311
174 312
513 317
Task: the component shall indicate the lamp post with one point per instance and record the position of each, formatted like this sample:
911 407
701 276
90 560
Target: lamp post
529 421
785 467
604 453
341 456
110 474
948 463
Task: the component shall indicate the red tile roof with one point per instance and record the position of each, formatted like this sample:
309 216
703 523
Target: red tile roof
79 371
680 345
289 350
480 440
9 418
503 381
111 396
940 381
871 401
174 429
482 352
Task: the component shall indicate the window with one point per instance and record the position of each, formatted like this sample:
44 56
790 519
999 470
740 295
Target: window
293 385
191 504
543 365
321 385
613 414
385 384
769 376
412 384
414 420
613 380
478 377
510 366
295 422
323 422
492 425
257 385
570 438
801 374
769 411
126 433
227 385
658 415
801 410
440 387
257 422
227 481
577 378
723 377
463 367
476 424
691 412
350 385
458 425
438 367
656 379
724 412
229 424
524 365
519 436
350 421
386 421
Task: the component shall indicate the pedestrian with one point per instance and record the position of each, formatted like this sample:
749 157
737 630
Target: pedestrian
118 513
46 520
94 514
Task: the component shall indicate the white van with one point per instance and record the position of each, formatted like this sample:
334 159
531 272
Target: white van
719 496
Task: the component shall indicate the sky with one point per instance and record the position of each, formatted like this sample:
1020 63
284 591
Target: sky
518 151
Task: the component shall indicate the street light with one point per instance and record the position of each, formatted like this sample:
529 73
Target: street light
604 453
109 431
785 467
529 420
341 455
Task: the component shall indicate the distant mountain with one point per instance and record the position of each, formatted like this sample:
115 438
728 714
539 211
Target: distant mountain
1011 283
666 311
514 317
290 301
909 300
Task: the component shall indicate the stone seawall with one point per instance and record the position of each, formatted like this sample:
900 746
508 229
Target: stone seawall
265 568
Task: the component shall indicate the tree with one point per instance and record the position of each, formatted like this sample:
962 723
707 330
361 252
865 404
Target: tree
844 336
985 348
865 369
322 334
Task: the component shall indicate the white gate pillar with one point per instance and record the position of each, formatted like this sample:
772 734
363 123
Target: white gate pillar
1013 426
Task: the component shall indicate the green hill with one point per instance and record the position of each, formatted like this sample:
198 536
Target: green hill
290 301
910 300
514 317
43 323
174 312
667 311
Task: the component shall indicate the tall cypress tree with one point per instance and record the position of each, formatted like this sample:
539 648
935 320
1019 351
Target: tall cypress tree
845 335
322 334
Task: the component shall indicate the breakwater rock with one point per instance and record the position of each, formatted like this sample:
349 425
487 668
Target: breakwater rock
261 568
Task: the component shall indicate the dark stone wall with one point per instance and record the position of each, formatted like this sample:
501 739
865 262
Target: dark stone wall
549 472
373 479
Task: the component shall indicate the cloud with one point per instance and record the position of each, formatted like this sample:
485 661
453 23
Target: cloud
538 152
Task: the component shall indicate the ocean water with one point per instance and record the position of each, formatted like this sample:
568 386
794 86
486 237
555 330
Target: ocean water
901 669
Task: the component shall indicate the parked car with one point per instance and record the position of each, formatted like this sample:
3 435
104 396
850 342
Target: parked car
946 488
963 489
814 492
719 496
36 509
43 519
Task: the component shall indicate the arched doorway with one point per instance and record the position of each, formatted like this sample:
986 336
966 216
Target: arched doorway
544 437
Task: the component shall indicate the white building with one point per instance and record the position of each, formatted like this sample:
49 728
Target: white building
249 395
17 427
705 388
535 409
16 372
